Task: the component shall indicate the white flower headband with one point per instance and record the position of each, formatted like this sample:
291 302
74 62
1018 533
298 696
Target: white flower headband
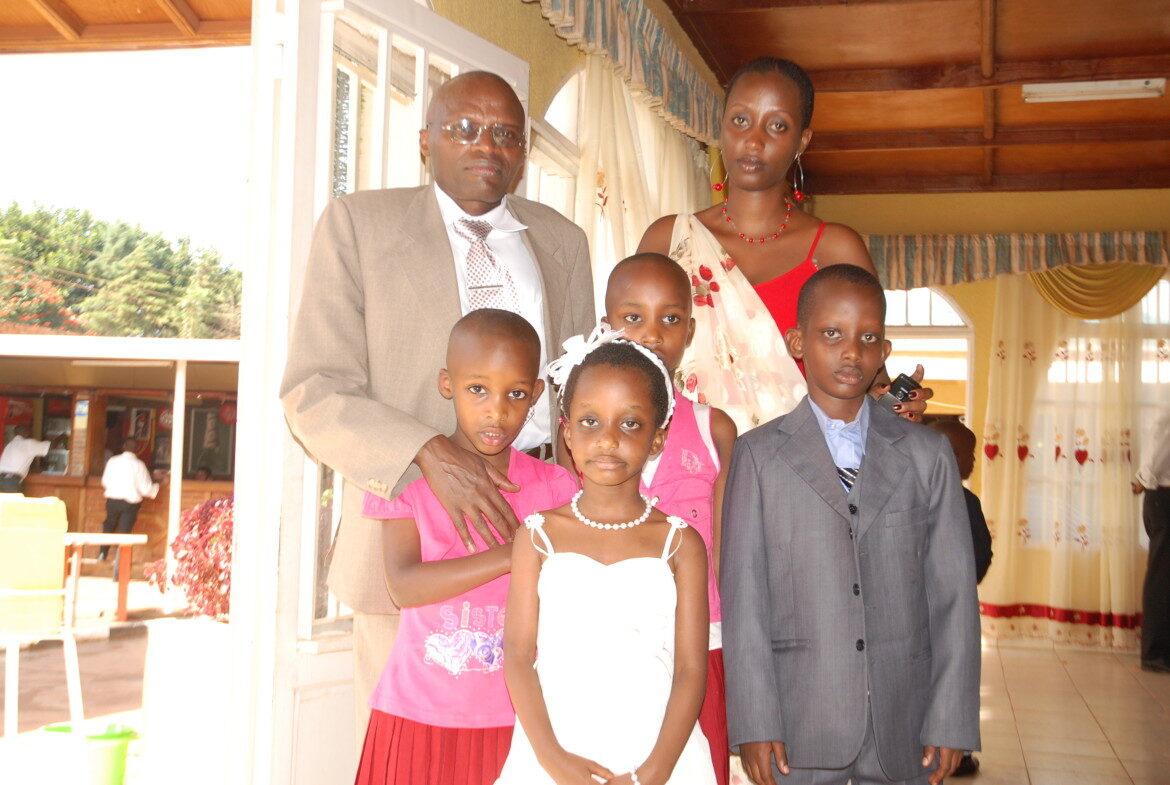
579 347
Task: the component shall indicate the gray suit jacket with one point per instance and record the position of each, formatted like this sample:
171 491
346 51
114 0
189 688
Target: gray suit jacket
816 620
360 388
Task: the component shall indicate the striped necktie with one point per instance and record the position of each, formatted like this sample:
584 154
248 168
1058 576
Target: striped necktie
847 477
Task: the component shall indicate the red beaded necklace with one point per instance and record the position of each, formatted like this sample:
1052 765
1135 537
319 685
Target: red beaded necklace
762 238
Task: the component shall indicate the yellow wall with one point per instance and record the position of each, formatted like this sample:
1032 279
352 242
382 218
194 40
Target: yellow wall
520 28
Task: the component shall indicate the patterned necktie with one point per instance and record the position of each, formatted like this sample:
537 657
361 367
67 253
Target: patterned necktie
488 284
847 477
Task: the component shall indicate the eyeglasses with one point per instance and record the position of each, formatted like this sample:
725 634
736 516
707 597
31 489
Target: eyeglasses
467 131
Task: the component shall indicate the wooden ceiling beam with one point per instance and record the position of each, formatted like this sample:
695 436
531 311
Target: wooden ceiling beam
1047 181
987 38
989 113
970 75
987 70
944 139
181 14
153 35
61 17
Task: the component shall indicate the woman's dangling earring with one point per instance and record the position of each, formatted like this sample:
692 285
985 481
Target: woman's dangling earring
531 414
720 186
798 192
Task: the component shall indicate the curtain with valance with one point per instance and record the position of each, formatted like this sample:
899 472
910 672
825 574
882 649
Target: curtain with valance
643 53
634 168
1069 401
911 261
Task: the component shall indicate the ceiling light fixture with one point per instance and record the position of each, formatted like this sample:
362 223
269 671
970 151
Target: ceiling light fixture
1112 90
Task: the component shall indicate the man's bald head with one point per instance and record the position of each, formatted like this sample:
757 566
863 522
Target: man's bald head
465 119
471 83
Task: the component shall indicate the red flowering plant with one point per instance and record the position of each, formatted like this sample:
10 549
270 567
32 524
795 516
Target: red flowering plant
203 558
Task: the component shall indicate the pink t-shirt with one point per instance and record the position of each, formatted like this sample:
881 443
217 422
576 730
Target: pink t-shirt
446 667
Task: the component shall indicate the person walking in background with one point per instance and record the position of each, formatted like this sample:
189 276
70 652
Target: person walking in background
17 457
1153 479
126 482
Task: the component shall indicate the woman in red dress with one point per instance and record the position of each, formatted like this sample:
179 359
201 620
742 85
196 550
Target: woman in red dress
749 257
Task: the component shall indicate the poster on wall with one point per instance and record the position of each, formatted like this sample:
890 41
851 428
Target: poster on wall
141 429
162 452
211 442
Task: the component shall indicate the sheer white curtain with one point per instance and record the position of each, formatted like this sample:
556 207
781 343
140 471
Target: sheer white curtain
1068 400
634 168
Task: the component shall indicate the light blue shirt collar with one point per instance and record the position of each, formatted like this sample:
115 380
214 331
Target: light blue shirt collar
846 440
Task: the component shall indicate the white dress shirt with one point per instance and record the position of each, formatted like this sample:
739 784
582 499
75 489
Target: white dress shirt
19 455
127 479
507 245
1155 466
846 440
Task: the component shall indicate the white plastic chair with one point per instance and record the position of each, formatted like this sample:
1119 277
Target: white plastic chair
33 604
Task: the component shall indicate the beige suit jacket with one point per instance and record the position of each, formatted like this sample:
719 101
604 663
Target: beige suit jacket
360 388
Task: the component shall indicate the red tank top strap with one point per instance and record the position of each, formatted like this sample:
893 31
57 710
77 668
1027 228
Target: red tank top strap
816 241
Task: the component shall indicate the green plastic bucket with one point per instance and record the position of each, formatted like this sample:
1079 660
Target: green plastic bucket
103 751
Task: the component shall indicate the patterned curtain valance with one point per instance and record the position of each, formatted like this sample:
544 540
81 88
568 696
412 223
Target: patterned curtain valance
910 261
629 34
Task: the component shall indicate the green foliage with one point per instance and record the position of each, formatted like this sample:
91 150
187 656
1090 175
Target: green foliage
65 271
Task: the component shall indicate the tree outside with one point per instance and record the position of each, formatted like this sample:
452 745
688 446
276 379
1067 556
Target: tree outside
62 271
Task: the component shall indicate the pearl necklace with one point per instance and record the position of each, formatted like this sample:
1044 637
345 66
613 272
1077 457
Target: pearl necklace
612 527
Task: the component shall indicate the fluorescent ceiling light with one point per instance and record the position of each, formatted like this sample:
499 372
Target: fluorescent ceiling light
123 363
1113 90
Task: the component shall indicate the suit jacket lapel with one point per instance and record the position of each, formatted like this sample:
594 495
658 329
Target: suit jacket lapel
809 457
883 467
424 238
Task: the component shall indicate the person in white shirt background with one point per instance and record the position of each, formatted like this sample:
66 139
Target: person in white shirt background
17 457
1153 479
127 482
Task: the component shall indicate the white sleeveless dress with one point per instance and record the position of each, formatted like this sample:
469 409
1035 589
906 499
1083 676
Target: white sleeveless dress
605 657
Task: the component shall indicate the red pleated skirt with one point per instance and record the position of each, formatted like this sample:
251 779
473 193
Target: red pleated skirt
399 751
713 718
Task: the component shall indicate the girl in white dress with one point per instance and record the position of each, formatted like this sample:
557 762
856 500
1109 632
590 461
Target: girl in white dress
605 643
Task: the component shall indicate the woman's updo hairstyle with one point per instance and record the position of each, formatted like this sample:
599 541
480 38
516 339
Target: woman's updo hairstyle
787 68
622 354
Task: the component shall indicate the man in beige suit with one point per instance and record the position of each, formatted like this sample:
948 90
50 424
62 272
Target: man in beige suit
389 274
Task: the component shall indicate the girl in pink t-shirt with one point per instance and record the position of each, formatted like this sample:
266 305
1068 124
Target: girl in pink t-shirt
441 713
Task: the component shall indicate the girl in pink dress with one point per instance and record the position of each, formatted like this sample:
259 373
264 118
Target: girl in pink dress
441 713
648 297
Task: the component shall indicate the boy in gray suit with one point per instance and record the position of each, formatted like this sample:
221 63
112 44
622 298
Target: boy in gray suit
850 621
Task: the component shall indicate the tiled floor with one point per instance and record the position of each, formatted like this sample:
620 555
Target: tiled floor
1056 716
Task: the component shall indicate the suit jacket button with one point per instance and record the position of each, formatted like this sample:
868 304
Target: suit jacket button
860 645
856 590
852 509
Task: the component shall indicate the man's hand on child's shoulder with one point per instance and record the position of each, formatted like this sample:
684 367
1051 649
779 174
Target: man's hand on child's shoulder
757 760
948 761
